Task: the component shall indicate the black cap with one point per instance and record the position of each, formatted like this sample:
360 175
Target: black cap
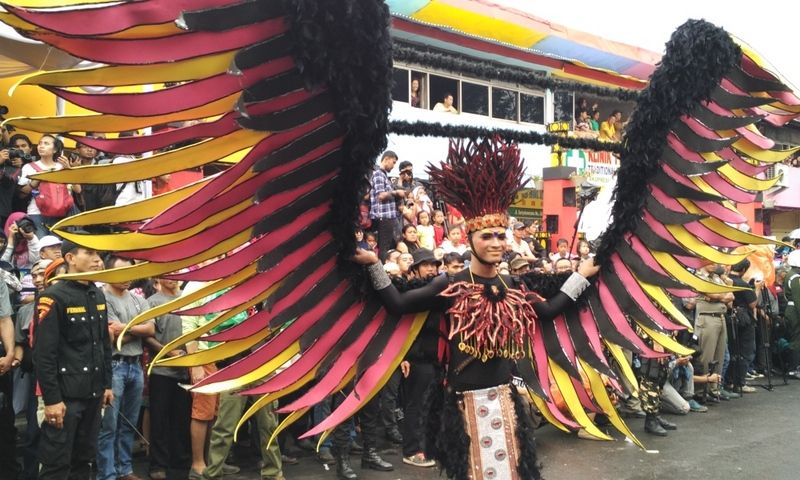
68 246
424 255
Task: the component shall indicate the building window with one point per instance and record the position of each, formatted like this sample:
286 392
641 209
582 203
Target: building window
475 98
504 104
419 81
441 87
568 197
400 87
531 108
563 106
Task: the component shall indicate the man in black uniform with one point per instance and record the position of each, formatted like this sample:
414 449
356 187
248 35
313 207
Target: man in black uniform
72 358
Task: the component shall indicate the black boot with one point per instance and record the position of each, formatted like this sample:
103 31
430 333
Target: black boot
665 424
344 470
651 425
371 459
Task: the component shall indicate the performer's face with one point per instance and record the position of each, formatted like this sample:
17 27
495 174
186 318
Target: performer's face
489 244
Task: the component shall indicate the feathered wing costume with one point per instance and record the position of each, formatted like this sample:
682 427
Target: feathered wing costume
295 95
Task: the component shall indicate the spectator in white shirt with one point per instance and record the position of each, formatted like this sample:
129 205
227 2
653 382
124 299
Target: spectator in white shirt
518 243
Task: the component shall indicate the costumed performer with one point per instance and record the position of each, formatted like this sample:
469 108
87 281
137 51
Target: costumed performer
484 430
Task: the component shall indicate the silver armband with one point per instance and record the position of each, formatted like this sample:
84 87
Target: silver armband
380 279
574 286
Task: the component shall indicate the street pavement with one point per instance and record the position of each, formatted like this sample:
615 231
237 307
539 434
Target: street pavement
755 437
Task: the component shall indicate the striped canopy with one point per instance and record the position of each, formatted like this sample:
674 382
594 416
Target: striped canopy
496 24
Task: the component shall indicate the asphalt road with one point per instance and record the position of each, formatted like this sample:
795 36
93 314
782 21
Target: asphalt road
755 437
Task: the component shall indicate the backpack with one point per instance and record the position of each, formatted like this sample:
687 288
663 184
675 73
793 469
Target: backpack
54 199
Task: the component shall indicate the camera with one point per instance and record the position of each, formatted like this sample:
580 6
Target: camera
17 153
25 225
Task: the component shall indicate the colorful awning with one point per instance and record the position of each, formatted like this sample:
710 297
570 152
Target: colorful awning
504 26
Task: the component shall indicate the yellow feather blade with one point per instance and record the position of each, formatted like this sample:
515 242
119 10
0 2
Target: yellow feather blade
624 365
153 269
258 374
766 156
746 182
604 402
216 353
545 411
54 3
131 241
117 76
145 209
184 300
572 401
273 396
207 327
658 295
682 275
119 123
692 243
667 341
173 161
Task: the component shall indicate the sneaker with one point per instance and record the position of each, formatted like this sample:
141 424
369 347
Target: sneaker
730 394
696 407
419 460
325 457
748 389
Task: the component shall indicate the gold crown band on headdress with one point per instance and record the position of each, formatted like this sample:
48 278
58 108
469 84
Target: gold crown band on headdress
487 221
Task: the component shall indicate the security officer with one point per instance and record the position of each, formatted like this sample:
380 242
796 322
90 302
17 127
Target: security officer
791 288
72 359
709 324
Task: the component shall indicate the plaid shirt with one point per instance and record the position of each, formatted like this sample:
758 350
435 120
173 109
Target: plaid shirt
377 209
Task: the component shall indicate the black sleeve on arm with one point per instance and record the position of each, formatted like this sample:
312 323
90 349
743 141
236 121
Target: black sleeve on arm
416 300
45 352
550 309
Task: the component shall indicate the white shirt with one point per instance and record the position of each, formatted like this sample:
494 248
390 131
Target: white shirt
132 191
28 170
448 247
522 247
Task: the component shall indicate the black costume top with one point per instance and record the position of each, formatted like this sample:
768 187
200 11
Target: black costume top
464 371
72 349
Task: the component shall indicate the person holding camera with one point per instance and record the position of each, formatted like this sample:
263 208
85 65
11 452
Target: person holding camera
49 202
743 319
22 249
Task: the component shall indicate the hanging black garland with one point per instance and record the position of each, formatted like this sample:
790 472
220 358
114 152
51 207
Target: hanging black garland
427 129
484 70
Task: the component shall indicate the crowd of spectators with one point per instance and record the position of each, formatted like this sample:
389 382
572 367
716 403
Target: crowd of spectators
415 235
587 122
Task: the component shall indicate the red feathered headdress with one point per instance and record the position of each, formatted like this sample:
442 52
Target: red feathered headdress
480 178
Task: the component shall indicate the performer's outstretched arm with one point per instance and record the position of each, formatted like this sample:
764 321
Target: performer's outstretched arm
571 287
416 300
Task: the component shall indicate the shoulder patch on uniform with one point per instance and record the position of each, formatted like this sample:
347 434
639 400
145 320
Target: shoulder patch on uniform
43 306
